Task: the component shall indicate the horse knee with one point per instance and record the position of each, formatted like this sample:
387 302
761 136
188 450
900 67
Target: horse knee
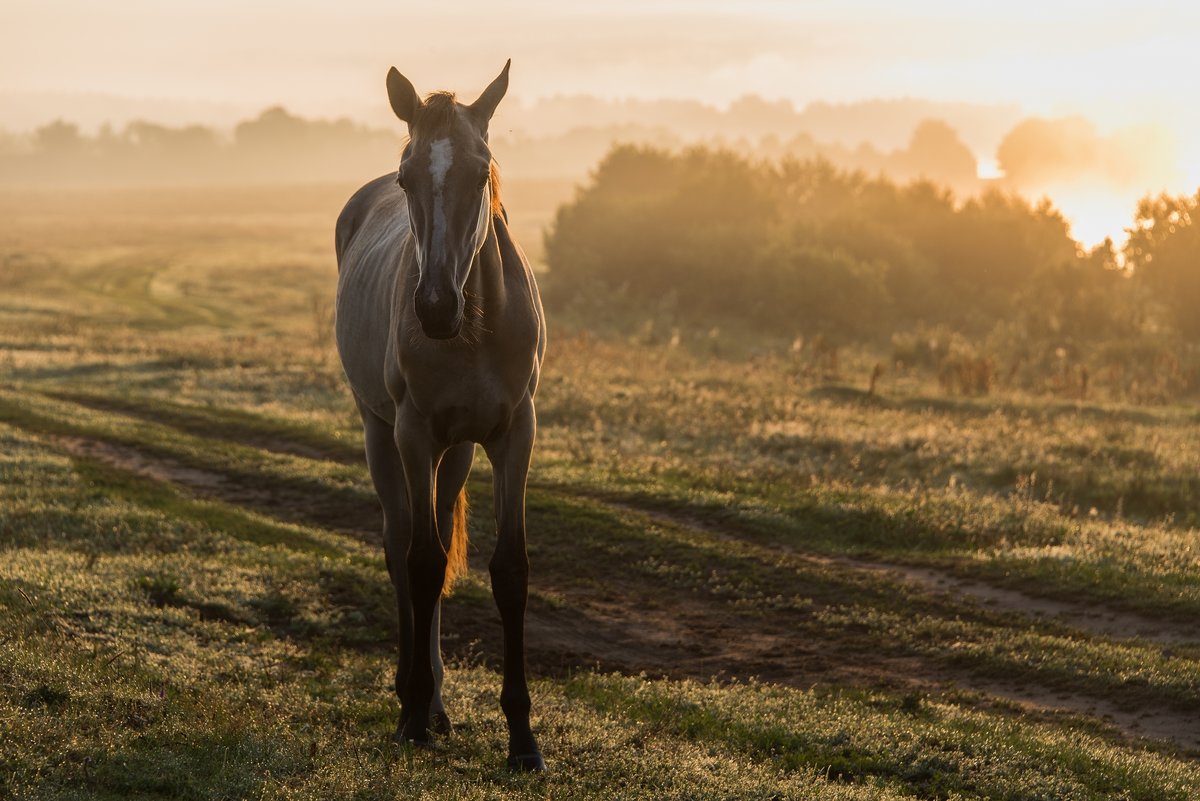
509 566
395 552
426 571
510 576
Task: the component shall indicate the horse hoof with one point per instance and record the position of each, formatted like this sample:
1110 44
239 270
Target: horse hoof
528 763
423 745
400 738
439 723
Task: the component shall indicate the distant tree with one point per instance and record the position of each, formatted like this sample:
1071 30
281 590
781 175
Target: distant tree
691 225
1038 151
936 152
993 248
1163 252
58 138
161 137
1076 303
273 128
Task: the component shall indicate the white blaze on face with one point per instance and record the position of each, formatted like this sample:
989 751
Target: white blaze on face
441 156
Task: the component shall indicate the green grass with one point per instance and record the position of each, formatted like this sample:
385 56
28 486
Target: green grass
193 603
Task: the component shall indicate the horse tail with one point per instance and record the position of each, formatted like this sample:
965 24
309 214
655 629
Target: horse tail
456 556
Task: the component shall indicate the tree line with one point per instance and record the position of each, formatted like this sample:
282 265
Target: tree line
280 147
800 249
274 147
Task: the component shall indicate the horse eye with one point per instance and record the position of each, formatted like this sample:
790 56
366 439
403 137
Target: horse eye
484 180
400 178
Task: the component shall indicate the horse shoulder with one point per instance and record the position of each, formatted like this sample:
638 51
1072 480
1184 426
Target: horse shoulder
369 236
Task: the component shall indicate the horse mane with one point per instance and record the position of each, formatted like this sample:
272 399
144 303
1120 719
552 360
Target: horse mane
494 184
436 115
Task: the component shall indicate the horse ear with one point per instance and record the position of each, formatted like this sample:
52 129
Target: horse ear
485 106
402 95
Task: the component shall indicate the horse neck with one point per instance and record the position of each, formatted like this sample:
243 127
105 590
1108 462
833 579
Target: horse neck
485 284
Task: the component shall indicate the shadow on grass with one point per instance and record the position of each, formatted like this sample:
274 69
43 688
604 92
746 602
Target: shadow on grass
231 425
291 498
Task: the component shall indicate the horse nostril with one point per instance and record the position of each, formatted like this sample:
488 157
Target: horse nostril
433 306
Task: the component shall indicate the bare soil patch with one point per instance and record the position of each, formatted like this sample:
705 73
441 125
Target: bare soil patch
294 502
1090 616
244 431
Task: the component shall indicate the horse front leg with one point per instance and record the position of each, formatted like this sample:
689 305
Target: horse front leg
426 571
387 474
509 569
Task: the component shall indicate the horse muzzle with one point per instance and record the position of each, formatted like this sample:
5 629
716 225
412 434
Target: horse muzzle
440 313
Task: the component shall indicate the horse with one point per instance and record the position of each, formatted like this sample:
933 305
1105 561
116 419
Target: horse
441 334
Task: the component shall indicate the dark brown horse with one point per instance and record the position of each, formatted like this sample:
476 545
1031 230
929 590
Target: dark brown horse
441 334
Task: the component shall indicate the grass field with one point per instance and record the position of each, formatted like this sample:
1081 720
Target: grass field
748 581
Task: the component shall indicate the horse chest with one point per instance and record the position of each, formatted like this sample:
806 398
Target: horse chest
463 402
477 422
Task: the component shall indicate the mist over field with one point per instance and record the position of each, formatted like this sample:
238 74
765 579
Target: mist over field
1095 178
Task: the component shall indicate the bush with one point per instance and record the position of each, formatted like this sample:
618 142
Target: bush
990 290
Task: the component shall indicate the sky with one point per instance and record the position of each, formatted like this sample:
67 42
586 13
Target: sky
215 60
1113 63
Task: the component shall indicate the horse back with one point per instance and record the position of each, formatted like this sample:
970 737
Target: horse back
359 208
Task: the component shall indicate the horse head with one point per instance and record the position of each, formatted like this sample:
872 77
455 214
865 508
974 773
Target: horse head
447 175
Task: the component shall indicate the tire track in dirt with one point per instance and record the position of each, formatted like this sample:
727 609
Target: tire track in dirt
244 429
625 624
1092 617
294 504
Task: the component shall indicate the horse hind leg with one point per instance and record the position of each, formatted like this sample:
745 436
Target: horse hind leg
451 520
